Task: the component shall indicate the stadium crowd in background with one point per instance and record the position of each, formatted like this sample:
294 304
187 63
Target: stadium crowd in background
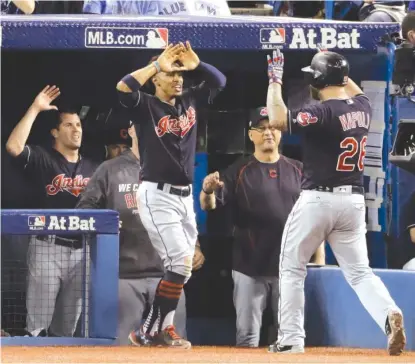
356 10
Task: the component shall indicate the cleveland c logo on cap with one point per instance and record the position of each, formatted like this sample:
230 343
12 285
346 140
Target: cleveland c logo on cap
263 112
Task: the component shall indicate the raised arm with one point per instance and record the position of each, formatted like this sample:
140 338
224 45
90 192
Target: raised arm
18 138
277 110
164 63
214 78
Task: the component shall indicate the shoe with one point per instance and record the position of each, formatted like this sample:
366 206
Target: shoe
139 338
395 332
286 349
168 337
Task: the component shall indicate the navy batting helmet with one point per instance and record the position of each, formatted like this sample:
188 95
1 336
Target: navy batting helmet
327 69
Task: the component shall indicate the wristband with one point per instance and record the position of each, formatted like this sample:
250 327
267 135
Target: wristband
157 65
275 80
131 82
207 193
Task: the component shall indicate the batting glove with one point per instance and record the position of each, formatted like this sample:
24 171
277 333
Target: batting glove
275 67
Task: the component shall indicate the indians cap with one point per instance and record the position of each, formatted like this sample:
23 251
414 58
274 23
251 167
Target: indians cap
257 115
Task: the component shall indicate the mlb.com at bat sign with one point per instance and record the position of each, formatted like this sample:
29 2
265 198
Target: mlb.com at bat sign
308 38
125 37
61 223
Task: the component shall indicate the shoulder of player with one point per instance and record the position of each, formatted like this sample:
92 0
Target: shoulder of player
243 162
292 164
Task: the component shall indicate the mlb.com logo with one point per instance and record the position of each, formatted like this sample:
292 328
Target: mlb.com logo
125 37
36 222
272 37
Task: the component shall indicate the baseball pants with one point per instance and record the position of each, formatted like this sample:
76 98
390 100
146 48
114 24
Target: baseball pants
250 297
338 217
170 221
54 292
134 297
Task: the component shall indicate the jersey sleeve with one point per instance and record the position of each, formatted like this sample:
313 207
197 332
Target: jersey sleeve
95 194
32 156
307 118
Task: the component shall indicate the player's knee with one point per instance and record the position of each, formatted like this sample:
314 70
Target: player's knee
183 267
359 274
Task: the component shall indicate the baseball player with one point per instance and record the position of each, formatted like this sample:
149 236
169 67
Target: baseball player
262 189
167 140
331 205
54 262
114 186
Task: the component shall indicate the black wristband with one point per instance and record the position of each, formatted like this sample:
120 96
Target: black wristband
131 82
207 193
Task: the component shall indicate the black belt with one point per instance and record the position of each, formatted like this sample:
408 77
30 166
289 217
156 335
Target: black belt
355 189
175 191
68 243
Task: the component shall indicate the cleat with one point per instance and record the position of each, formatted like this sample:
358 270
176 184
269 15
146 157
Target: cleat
169 338
139 338
286 349
395 332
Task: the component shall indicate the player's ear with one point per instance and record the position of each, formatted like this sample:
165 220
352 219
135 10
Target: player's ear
54 133
250 135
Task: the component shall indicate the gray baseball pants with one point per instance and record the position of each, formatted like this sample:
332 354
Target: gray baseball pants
250 297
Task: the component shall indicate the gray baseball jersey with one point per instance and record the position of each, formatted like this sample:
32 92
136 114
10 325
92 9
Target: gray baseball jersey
114 186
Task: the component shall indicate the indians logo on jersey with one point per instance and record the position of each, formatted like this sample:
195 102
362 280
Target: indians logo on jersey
179 127
74 186
305 118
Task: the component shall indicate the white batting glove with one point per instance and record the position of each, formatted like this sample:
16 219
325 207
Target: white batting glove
275 67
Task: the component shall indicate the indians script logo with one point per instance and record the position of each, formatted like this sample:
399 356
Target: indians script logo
179 127
60 183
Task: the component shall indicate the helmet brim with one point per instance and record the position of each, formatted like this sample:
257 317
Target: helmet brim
307 69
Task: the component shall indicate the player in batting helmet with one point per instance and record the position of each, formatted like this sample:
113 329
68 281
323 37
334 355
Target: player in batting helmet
326 69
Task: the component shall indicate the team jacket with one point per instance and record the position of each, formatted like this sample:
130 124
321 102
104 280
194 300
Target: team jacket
114 186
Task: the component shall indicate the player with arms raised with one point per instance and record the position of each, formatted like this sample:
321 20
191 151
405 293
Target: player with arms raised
167 138
332 204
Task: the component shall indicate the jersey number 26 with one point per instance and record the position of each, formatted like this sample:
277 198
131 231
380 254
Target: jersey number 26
353 147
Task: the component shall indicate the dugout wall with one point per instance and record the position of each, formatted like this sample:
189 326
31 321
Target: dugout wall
87 56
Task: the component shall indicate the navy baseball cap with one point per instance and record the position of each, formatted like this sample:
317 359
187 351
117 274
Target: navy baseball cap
116 129
257 115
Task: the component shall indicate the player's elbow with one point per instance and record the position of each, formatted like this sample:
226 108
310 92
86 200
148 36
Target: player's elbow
121 86
13 148
279 123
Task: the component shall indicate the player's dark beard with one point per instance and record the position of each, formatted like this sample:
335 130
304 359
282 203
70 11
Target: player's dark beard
314 93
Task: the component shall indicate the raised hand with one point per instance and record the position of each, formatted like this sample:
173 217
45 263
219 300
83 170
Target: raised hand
188 58
170 55
275 67
211 182
44 99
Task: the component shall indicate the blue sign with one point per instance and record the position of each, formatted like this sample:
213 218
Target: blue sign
230 33
62 222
